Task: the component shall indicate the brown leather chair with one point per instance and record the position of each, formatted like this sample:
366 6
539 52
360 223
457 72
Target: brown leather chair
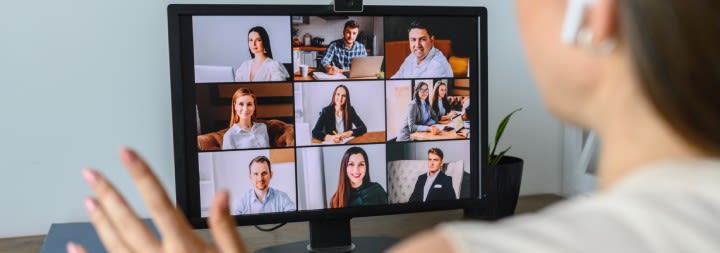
281 134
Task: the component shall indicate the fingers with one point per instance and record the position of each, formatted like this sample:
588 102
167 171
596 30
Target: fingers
169 221
222 225
105 229
117 225
72 247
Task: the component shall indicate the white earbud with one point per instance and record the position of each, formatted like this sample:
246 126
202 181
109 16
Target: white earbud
573 19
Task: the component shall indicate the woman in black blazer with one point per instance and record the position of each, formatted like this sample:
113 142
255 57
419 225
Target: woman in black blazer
439 101
336 120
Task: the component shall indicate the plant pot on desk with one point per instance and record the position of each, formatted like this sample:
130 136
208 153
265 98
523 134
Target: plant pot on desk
505 181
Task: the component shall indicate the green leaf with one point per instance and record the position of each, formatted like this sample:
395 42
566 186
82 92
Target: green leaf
498 135
497 158
503 124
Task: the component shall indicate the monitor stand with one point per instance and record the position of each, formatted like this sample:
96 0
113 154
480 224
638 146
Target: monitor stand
333 236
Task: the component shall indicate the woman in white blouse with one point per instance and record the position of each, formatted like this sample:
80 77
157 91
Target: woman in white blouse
261 67
244 132
643 75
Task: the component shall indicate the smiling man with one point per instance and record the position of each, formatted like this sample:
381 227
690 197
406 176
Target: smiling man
339 53
424 60
262 198
433 185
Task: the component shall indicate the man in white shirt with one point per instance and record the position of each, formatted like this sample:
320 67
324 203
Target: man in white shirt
433 185
424 61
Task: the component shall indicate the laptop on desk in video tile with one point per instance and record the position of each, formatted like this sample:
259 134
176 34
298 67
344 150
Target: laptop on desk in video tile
365 67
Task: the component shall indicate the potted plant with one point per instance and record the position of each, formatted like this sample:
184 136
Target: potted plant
505 173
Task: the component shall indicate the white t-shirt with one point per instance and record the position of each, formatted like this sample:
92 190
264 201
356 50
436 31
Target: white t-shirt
434 65
339 125
664 207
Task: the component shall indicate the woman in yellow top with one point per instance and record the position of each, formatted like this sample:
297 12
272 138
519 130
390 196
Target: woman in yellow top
643 75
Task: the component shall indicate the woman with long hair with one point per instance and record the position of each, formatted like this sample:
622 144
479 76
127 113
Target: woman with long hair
643 75
338 120
419 117
354 186
243 131
261 67
439 101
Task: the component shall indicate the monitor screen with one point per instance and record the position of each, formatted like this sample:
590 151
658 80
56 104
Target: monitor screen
302 113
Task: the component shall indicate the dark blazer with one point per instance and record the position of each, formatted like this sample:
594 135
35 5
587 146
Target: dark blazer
326 123
441 189
445 104
370 193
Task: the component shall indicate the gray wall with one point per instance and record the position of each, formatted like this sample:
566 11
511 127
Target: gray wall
223 41
81 78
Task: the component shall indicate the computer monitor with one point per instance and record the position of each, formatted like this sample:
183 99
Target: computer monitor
291 148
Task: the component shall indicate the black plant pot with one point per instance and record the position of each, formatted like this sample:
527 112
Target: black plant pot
505 181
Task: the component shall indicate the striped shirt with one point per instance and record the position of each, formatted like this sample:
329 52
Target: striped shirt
339 56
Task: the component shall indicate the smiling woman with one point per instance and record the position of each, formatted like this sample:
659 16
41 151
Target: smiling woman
261 67
419 116
354 185
243 131
338 120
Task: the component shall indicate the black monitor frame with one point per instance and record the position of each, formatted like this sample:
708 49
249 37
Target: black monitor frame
185 146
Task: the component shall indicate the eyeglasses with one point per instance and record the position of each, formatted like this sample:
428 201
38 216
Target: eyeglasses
424 90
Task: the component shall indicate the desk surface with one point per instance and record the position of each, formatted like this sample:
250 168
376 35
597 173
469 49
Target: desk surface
369 137
442 135
297 76
400 226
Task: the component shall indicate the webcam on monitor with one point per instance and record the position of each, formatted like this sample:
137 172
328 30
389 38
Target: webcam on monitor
348 5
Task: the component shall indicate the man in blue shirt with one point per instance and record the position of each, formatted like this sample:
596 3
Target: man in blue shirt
262 198
339 53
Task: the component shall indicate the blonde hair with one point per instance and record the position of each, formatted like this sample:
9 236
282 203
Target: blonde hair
234 119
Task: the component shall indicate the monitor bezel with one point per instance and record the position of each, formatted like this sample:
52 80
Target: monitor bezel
181 72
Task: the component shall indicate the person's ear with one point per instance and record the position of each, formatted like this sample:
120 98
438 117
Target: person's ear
591 24
603 20
599 35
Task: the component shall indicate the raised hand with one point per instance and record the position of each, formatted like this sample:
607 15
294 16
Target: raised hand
121 230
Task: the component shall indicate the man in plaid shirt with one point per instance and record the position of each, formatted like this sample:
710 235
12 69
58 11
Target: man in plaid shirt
340 52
